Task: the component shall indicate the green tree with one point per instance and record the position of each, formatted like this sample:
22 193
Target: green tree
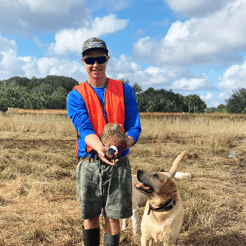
39 100
161 100
17 81
136 88
35 93
58 99
244 111
237 101
182 107
195 104
25 101
125 80
210 110
142 102
3 102
221 108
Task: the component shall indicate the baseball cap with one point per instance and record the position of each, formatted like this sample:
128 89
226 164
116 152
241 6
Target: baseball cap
94 43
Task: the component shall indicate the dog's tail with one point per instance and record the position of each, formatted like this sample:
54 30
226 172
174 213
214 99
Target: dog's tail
175 164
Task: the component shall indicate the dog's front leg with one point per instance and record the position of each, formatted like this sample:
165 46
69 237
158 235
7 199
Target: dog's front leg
145 241
135 221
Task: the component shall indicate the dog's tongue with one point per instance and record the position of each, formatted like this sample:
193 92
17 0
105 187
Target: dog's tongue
142 186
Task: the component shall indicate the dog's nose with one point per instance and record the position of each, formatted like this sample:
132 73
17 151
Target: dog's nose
139 173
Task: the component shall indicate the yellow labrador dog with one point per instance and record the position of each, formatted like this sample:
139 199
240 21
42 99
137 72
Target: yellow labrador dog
164 213
139 200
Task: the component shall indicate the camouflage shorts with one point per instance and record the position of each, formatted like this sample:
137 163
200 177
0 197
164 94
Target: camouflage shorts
102 186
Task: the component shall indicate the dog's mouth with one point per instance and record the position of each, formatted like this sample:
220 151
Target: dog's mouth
144 187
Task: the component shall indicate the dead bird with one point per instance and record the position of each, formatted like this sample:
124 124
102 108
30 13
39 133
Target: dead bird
114 139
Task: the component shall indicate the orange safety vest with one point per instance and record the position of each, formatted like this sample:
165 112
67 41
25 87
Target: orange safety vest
114 106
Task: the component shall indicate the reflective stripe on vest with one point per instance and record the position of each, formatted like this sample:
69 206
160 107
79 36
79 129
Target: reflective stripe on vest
114 104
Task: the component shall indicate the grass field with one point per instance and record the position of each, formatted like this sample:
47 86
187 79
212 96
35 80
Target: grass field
38 201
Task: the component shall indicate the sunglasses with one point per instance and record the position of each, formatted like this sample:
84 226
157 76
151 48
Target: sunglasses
92 60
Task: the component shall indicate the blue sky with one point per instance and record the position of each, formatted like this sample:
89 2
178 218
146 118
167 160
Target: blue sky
188 46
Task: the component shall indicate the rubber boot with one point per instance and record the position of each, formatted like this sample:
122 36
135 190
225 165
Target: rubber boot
111 240
91 237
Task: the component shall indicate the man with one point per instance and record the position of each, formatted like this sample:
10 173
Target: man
102 184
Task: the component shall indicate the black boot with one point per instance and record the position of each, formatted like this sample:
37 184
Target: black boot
111 240
91 237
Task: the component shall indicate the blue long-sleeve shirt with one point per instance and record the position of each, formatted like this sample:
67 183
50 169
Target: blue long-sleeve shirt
77 111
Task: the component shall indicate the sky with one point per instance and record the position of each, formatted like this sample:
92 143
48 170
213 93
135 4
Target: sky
187 46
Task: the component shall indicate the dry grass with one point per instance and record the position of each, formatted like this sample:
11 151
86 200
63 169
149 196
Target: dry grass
37 111
38 201
48 126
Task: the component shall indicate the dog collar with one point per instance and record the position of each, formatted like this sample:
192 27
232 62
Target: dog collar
166 206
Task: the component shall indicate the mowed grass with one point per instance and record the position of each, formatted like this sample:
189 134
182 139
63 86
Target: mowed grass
38 201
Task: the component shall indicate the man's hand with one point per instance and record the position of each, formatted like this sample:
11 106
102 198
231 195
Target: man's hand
94 142
102 155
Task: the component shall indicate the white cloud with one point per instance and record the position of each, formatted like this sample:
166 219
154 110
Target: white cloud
179 31
45 64
6 44
145 48
29 66
221 99
124 67
52 6
71 40
10 65
161 76
224 95
193 84
61 67
212 39
21 16
215 99
196 7
209 96
152 76
233 78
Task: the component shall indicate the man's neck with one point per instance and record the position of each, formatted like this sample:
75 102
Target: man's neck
99 82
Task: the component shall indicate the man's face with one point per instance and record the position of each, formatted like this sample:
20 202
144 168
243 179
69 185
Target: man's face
95 70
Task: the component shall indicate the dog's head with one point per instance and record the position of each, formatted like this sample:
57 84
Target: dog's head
154 183
158 183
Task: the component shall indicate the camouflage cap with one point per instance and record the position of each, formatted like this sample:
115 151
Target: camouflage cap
94 43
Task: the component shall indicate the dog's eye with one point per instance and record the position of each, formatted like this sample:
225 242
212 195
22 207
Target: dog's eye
156 175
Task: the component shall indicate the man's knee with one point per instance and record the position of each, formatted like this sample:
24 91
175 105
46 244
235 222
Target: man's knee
112 226
91 223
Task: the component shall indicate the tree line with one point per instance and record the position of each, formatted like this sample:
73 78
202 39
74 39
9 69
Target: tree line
236 103
51 91
163 100
36 93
